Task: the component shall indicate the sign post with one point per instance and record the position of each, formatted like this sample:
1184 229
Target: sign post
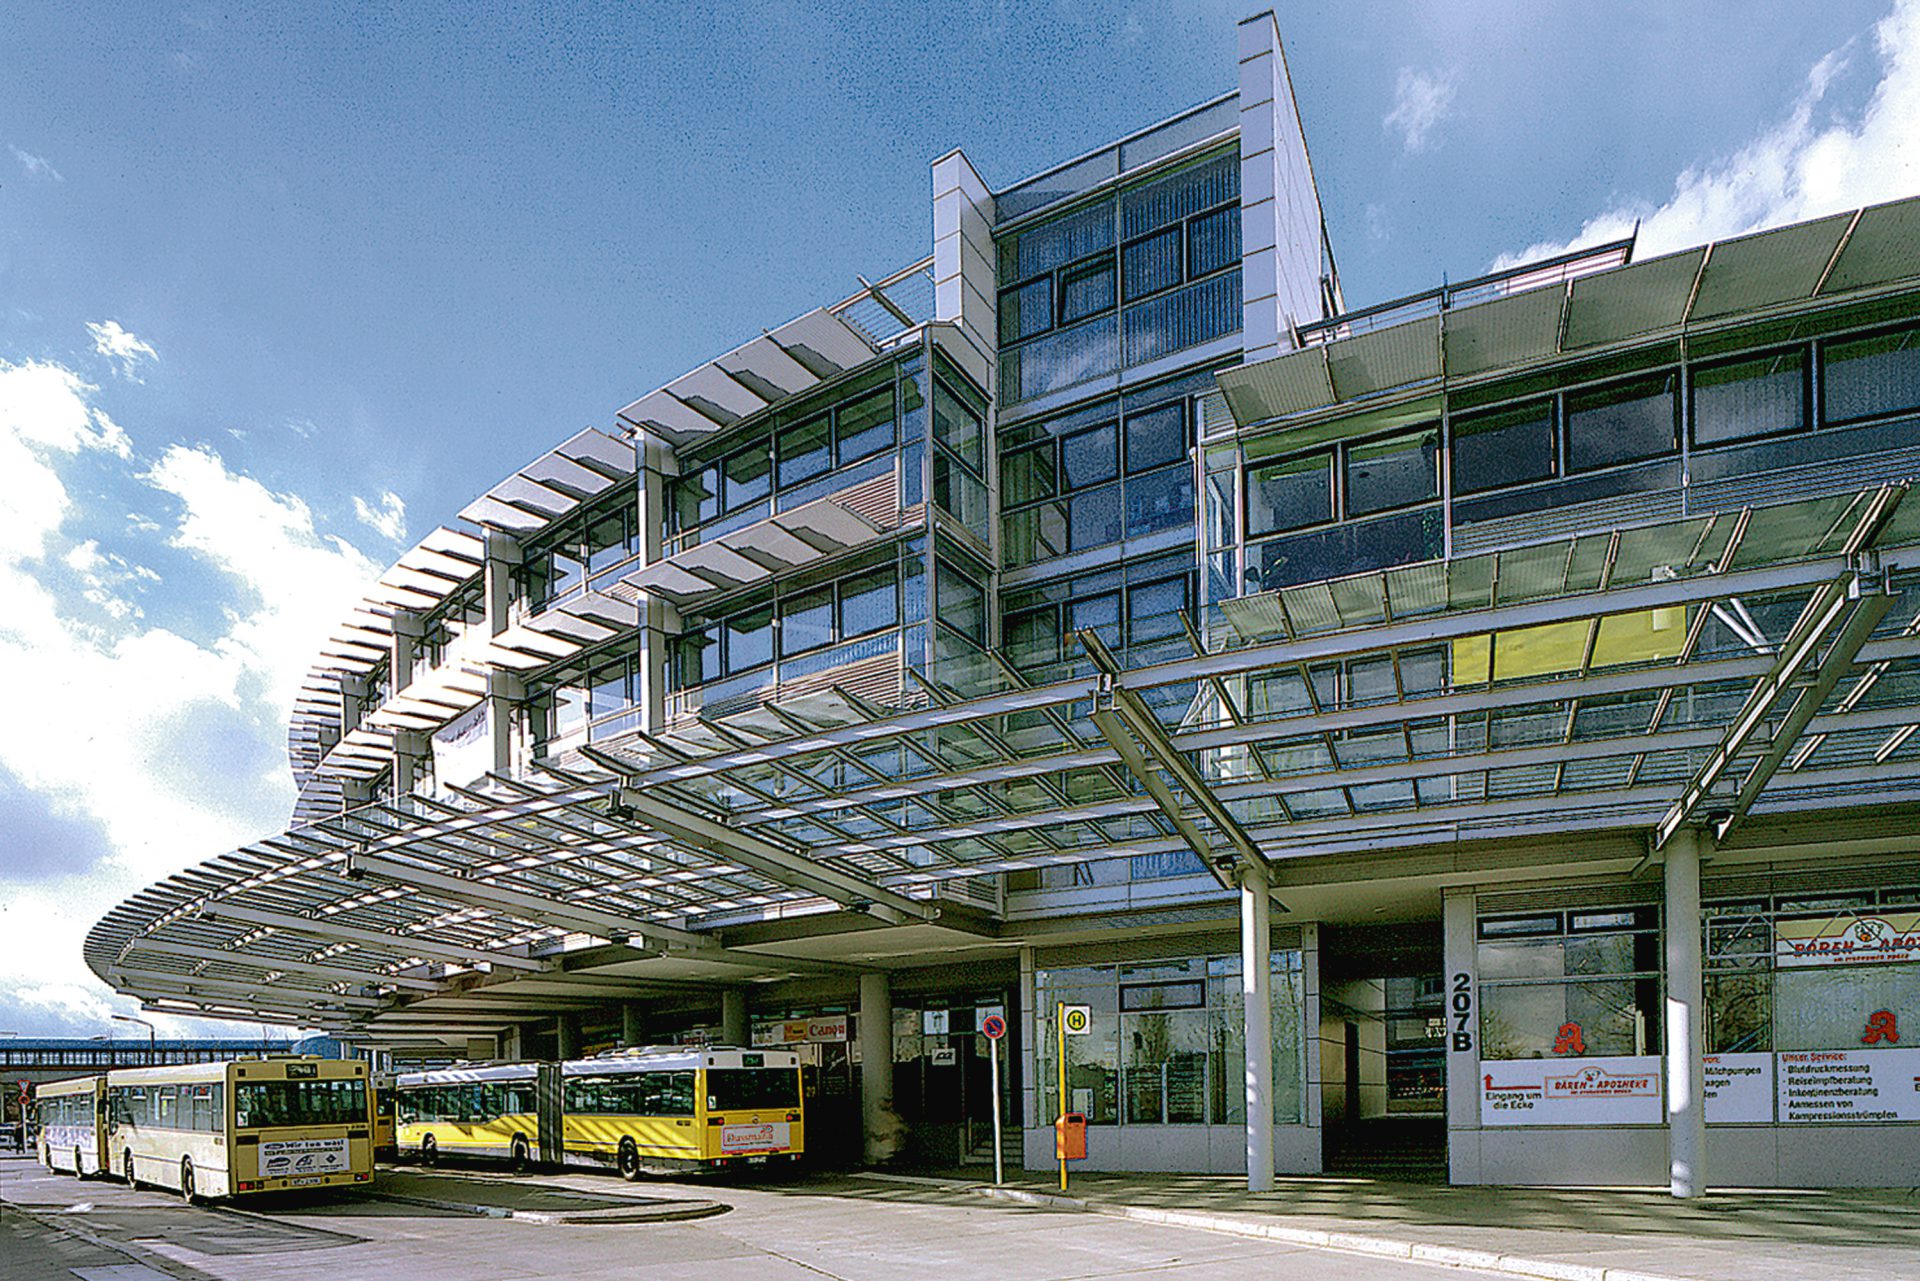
1075 1019
995 1027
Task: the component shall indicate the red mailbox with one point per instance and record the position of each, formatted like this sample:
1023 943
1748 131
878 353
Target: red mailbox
1070 1137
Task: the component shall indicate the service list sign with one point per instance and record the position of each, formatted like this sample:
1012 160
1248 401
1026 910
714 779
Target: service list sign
1739 1089
1838 1086
1588 1091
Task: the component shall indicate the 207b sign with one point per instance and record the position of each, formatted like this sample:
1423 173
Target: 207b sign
1460 1007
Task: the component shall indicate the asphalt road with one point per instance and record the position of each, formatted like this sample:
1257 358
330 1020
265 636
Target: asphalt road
57 1228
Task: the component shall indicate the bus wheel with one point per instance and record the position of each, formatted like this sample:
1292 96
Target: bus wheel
127 1159
429 1151
519 1153
629 1161
186 1181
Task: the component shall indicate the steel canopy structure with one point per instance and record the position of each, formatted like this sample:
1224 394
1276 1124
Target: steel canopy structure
1328 719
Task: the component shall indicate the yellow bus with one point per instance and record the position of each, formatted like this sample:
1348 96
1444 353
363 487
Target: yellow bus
213 1130
381 1083
659 1110
70 1115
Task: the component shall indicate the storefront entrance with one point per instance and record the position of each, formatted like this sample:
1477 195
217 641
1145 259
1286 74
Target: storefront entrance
1382 1050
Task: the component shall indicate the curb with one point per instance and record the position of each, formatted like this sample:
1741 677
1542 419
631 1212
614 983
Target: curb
1349 1242
661 1212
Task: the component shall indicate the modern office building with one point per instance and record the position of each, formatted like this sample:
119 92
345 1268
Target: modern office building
1476 729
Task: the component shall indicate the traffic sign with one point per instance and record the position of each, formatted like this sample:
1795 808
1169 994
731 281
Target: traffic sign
993 1027
1076 1019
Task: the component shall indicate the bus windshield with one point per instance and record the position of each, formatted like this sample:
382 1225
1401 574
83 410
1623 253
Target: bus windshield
259 1104
729 1089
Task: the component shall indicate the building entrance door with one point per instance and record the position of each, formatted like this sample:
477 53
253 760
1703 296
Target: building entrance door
1383 1050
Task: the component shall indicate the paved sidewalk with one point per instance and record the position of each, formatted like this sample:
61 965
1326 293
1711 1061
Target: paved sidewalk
540 1199
1576 1234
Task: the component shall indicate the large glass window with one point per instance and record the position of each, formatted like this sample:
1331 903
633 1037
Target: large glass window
1505 447
1290 494
735 1089
1622 423
1166 1046
1090 457
1397 472
868 603
1157 437
805 451
864 426
1573 983
1757 396
747 477
749 639
806 621
1152 263
1868 377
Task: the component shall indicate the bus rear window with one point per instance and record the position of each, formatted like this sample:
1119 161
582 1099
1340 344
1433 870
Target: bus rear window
260 1104
729 1089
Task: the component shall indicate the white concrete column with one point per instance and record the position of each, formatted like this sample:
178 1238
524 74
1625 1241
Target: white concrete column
733 1017
964 276
1256 991
1458 918
504 689
876 1065
410 749
1686 1023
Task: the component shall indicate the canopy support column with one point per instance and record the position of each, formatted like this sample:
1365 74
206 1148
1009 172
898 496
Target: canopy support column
876 1067
1256 990
1686 1071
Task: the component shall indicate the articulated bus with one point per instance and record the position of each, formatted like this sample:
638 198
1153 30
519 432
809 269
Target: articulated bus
659 1110
73 1133
211 1130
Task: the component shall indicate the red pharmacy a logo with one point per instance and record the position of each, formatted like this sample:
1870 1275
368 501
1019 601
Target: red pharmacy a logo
1570 1040
1881 1026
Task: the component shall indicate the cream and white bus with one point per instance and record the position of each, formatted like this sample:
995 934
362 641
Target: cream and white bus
210 1130
73 1137
658 1110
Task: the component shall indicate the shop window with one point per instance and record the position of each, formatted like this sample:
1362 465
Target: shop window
1868 377
1291 494
1579 984
1759 396
1506 447
1397 472
1623 423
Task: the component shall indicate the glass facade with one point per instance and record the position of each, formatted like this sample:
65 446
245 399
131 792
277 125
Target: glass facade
1167 1042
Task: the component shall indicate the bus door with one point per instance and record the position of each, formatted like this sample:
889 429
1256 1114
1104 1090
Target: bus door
549 1100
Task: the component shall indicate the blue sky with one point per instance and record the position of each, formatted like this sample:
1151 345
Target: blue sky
281 290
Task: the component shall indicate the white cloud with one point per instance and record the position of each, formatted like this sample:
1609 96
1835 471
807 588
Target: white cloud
36 166
1804 166
389 519
1421 100
173 747
117 344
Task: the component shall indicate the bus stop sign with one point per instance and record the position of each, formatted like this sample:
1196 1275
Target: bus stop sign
1076 1019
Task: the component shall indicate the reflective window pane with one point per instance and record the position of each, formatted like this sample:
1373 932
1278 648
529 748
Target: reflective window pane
1089 457
806 622
1866 377
868 604
1026 309
805 451
865 426
1290 494
1621 423
748 477
749 639
1152 264
1028 475
1213 242
1506 447
1756 397
1393 473
1086 290
1157 437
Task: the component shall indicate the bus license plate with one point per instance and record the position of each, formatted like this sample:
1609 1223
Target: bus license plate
756 1160
305 1183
